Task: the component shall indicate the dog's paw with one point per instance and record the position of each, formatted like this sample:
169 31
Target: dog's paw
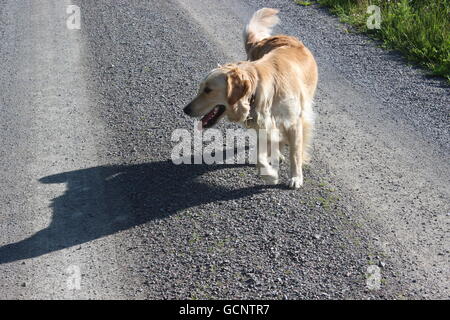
273 180
269 174
295 182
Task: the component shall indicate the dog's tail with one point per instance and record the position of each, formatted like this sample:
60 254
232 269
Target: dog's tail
260 26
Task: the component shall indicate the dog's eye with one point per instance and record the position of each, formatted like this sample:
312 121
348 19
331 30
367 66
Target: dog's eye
207 90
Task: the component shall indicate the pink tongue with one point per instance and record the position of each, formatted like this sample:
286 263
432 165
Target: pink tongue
208 117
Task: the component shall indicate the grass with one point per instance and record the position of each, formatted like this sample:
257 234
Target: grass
303 3
420 29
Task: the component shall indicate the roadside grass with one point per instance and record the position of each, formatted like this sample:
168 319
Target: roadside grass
420 29
303 3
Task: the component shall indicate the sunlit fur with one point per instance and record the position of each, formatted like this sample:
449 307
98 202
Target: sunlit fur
281 75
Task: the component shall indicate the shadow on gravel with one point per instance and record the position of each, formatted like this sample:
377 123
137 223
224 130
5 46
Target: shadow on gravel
103 200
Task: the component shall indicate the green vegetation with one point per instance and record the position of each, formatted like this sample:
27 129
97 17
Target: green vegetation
304 3
420 29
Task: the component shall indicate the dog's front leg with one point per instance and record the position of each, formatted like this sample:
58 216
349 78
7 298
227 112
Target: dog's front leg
269 172
295 153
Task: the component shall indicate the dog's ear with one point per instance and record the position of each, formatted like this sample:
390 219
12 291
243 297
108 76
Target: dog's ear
237 87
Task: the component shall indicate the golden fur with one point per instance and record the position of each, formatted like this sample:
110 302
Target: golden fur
272 91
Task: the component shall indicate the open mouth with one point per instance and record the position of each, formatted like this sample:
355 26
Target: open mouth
211 118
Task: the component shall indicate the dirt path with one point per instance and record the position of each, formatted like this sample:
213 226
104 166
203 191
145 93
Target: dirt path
87 183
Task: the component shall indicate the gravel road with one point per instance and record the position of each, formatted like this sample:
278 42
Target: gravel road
91 206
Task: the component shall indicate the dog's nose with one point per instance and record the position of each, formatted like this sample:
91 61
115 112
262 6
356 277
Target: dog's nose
188 109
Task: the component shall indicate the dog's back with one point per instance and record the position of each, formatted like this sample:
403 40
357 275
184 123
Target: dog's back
264 46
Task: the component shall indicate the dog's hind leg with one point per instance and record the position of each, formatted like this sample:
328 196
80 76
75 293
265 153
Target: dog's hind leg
295 136
308 125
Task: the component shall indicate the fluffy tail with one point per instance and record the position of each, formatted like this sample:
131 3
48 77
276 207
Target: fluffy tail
260 26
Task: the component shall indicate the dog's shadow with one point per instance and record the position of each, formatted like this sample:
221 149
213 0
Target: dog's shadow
102 200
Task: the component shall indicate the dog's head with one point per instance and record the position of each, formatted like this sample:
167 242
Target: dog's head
225 91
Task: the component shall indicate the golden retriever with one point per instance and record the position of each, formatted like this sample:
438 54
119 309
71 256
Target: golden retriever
273 91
